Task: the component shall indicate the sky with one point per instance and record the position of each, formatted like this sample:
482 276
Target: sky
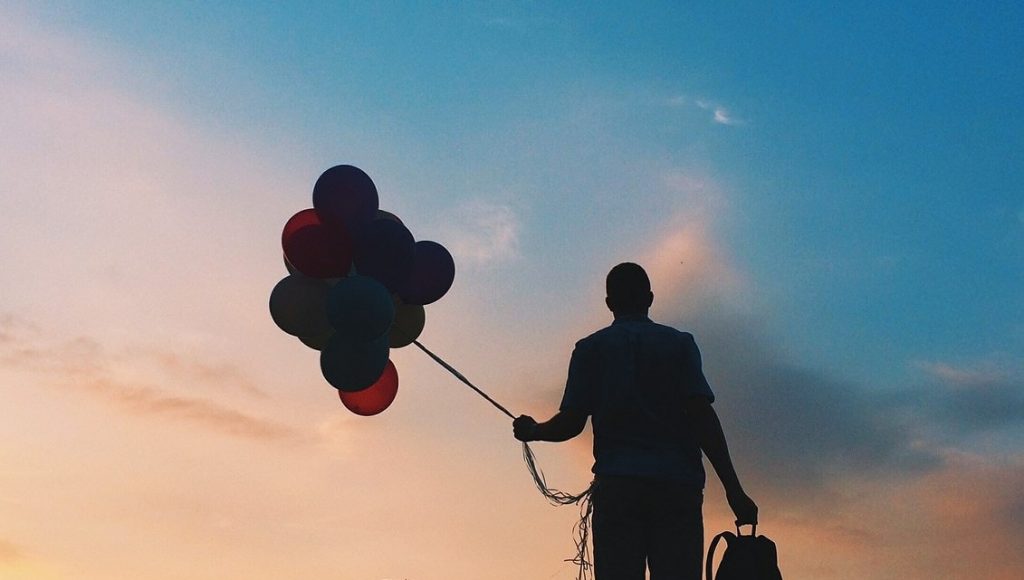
830 197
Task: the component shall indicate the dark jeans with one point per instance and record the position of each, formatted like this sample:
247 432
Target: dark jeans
645 521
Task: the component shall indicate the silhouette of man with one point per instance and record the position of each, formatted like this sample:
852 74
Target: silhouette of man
643 386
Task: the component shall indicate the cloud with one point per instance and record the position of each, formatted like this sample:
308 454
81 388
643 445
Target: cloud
962 376
213 373
723 117
84 365
719 113
483 233
966 398
142 400
689 266
968 519
689 272
851 476
797 427
10 552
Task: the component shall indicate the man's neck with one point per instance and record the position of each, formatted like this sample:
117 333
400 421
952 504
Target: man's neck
636 315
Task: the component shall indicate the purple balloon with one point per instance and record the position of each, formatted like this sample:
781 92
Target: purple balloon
433 272
385 251
345 196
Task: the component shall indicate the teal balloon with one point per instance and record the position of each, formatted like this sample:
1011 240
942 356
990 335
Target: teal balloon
298 305
360 308
353 365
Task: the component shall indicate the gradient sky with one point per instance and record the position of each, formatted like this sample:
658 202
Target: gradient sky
830 197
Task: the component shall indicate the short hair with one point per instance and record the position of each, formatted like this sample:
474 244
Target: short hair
628 288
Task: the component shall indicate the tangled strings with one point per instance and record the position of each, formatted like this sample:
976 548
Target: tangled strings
581 533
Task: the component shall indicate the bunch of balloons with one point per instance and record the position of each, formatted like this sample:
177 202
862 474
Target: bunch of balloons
357 285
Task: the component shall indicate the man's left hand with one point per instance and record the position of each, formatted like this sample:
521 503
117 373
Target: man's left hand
524 427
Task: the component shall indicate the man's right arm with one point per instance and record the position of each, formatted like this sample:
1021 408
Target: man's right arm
708 430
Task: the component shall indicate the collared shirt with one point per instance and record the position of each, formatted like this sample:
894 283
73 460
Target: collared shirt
632 378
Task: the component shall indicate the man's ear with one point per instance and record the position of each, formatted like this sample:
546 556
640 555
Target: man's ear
608 303
650 299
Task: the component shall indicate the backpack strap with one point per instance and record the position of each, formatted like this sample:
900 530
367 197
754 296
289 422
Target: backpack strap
708 569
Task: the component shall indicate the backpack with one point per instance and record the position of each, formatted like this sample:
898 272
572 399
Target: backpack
746 558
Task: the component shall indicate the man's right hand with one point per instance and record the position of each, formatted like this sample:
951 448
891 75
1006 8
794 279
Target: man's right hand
744 507
524 427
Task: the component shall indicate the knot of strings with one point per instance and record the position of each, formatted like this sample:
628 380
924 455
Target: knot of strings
581 531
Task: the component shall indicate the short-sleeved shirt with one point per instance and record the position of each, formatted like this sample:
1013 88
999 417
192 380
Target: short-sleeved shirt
633 378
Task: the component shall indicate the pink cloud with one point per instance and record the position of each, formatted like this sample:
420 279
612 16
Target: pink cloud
10 552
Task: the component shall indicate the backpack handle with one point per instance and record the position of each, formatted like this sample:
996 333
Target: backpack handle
753 529
709 572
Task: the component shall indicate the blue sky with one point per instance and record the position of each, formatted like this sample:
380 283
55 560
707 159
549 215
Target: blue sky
831 197
874 161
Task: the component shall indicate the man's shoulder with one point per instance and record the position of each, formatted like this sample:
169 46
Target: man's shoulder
670 330
593 337
613 332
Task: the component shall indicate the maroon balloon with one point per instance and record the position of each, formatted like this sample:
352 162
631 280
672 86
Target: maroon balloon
433 272
315 249
344 195
385 252
377 397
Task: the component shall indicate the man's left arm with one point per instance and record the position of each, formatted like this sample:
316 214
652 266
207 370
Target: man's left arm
565 425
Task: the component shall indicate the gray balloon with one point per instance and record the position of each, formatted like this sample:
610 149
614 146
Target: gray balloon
298 305
409 322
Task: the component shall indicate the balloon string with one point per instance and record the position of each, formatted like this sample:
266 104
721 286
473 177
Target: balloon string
554 496
459 376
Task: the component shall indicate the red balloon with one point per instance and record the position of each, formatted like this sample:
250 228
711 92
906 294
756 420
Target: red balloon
315 249
375 398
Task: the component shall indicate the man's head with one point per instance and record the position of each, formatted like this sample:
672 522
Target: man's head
628 289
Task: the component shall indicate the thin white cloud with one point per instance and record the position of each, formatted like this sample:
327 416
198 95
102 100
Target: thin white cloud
981 374
723 117
483 233
719 113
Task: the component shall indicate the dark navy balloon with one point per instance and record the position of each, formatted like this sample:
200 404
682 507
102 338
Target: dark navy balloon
385 251
353 365
360 307
432 274
344 195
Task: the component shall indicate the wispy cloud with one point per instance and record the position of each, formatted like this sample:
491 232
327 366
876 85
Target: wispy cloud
189 366
719 113
83 365
958 399
483 233
963 376
723 117
689 265
10 552
149 401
